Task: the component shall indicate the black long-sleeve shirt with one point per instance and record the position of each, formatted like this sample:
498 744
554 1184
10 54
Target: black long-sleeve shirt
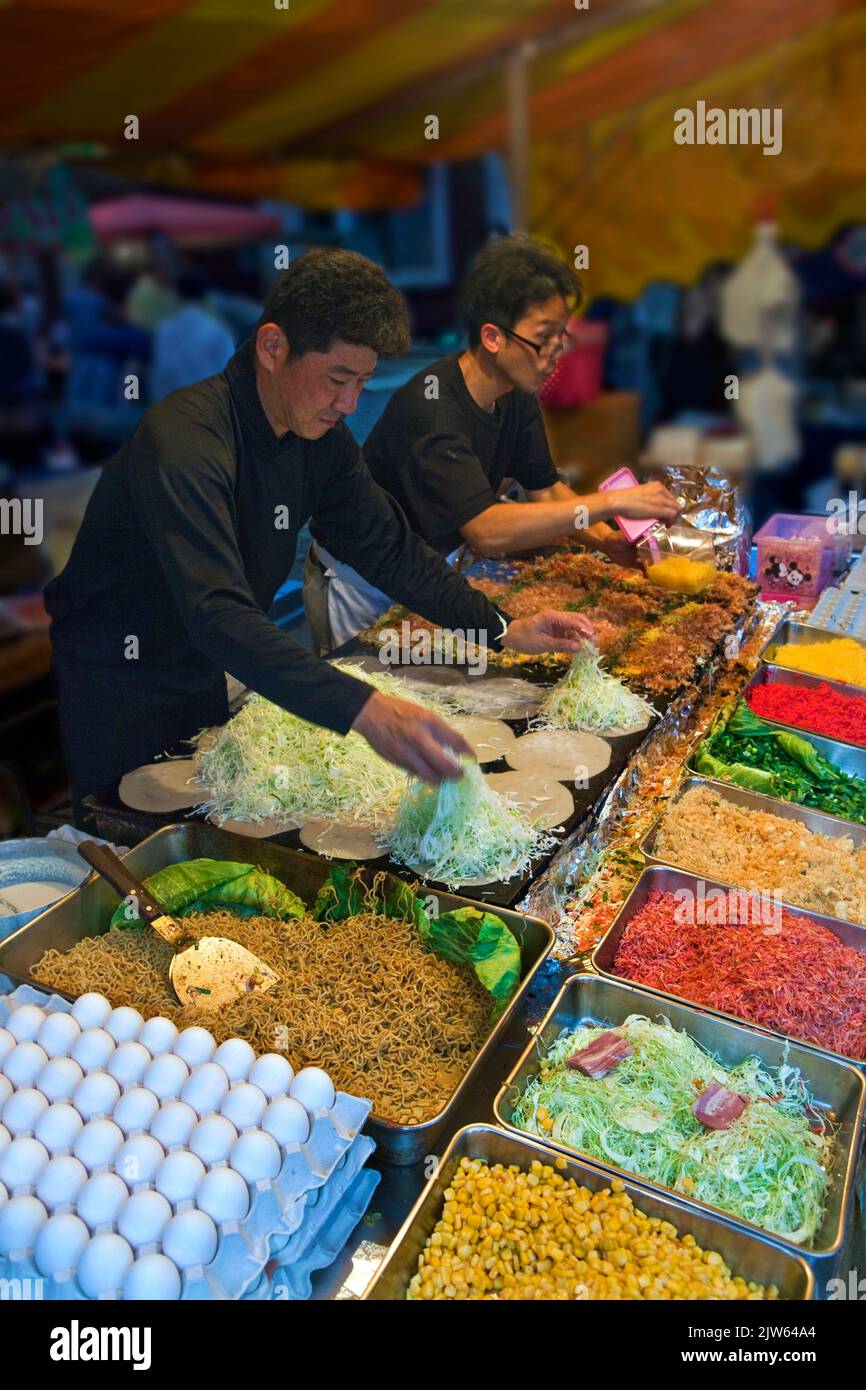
193 527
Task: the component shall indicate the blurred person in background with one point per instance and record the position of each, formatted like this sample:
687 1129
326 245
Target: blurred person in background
191 344
23 401
105 350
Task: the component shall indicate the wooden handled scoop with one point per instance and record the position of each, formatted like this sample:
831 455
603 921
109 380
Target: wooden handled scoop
210 972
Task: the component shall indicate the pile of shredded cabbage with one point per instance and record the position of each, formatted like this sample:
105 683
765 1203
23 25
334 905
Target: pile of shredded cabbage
769 1167
590 699
462 830
266 763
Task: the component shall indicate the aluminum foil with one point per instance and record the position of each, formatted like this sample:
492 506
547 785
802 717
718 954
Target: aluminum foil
600 858
713 505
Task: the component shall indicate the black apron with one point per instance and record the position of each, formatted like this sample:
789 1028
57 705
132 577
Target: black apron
112 721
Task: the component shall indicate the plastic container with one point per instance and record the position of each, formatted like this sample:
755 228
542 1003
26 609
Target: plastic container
796 556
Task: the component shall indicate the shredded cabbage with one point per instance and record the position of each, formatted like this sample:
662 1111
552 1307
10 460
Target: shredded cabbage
462 830
590 699
770 1167
266 763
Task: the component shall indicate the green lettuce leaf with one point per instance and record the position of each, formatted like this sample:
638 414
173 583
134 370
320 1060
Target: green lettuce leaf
201 885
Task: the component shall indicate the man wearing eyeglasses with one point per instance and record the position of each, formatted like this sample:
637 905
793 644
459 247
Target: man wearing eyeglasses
451 436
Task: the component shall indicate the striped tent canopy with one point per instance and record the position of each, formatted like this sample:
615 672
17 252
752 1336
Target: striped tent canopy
328 103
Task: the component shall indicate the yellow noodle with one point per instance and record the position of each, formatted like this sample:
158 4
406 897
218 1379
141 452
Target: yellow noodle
387 1018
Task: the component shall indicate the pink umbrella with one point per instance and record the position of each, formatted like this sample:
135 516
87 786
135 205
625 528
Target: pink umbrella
185 221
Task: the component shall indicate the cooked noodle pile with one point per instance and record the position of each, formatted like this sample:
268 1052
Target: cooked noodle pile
363 998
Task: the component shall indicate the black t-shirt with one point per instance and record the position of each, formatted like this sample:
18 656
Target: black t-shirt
192 529
444 460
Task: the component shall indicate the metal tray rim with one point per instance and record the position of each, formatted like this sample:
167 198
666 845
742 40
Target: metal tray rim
534 1148
823 1252
823 919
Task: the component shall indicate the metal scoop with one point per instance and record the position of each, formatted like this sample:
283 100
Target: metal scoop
209 973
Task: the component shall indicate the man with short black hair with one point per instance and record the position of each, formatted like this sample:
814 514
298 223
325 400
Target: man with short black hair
449 438
192 529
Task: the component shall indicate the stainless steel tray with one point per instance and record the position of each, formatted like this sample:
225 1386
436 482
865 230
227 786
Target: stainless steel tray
847 757
770 674
837 1087
661 879
819 822
84 911
790 632
753 1257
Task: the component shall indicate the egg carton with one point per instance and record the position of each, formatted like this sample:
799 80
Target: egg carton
105 1208
320 1204
294 1282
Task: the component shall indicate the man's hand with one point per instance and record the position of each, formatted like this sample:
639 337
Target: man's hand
650 500
548 631
412 737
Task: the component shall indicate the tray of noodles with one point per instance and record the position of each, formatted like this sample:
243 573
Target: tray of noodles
361 995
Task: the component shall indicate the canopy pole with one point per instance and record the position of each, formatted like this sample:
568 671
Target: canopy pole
517 103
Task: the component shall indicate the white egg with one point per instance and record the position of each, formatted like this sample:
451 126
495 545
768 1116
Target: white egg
91 1010
256 1155
224 1195
129 1063
190 1238
92 1048
314 1089
23 1110
58 1034
236 1057
287 1121
6 1089
24 1063
138 1159
244 1105
124 1024
98 1143
21 1219
212 1139
4 1195
96 1095
206 1087
173 1123
21 1162
143 1218
135 1110
59 1127
152 1277
5 1138
103 1264
158 1035
25 1021
59 1078
61 1181
166 1076
100 1200
272 1074
179 1176
195 1045
7 1042
60 1243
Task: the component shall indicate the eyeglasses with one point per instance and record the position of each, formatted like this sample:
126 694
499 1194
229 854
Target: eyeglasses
553 346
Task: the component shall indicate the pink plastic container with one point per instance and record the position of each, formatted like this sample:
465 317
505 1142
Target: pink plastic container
795 556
